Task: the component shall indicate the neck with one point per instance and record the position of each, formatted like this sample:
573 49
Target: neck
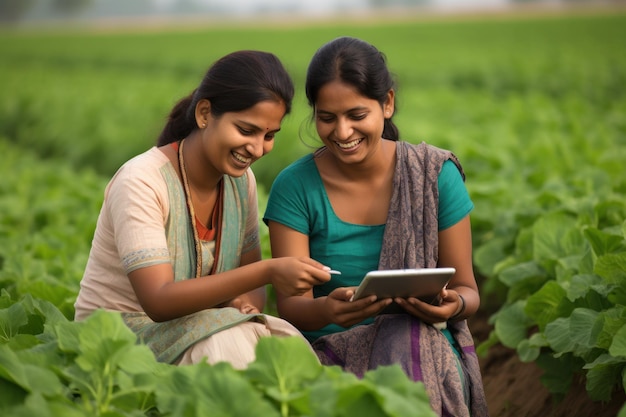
200 173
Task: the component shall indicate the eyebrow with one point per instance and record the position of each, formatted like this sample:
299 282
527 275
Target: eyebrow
256 128
353 109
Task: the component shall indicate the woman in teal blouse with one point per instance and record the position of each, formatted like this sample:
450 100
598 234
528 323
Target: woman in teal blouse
365 201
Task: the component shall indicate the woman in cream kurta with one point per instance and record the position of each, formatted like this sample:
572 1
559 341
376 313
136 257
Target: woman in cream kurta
195 290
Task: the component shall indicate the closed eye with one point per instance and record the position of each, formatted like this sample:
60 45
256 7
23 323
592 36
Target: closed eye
245 132
359 116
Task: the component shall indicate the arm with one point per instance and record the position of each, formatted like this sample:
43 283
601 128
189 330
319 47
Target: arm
455 250
164 299
252 301
303 310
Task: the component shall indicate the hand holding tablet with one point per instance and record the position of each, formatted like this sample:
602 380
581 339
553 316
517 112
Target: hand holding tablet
422 283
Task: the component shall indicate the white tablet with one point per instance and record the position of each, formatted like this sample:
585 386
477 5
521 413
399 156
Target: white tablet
422 283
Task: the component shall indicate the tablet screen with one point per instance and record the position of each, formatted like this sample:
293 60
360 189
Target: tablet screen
422 283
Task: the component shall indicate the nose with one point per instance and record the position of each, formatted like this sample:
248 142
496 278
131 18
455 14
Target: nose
257 147
343 129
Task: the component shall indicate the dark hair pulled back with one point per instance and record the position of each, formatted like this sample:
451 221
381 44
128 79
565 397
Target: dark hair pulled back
353 62
233 83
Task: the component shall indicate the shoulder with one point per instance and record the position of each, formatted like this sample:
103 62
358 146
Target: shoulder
429 155
304 163
298 171
142 172
144 164
424 149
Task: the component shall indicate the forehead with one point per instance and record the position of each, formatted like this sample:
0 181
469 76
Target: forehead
338 96
266 115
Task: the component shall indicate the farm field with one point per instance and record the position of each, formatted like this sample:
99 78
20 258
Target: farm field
533 106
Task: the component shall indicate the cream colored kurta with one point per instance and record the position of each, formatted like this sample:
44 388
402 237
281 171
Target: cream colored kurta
144 222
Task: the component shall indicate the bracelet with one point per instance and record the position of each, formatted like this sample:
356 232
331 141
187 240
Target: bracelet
458 313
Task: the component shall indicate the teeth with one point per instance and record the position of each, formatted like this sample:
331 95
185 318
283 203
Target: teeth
349 145
241 158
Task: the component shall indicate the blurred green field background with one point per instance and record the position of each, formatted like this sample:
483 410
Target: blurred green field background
534 107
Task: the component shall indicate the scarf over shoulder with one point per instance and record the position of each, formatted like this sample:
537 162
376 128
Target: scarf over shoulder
411 239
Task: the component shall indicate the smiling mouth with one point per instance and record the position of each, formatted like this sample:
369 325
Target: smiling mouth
241 158
349 145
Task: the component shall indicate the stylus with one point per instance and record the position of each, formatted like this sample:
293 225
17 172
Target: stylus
333 272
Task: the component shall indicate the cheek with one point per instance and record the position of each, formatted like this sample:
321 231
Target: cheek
268 146
323 129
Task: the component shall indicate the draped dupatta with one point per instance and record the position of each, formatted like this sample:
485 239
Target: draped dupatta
168 340
411 241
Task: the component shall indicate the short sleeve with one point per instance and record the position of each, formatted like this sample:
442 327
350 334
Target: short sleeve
454 200
137 208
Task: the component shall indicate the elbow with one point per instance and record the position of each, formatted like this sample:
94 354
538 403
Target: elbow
157 317
157 314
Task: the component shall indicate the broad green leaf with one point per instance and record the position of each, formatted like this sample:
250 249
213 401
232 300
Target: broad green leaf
359 403
321 388
529 349
66 335
11 394
612 268
618 346
558 336
602 379
487 255
397 394
328 385
567 266
581 284
617 295
547 304
103 340
549 234
5 298
202 390
518 273
614 319
23 341
587 262
603 243
603 360
33 405
512 324
585 326
283 362
140 359
558 372
29 377
574 246
11 319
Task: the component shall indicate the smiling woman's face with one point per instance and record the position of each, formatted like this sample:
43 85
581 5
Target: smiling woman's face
233 141
348 123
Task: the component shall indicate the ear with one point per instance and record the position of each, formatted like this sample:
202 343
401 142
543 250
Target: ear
389 104
203 113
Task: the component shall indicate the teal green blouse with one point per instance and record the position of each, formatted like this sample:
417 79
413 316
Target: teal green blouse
298 200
